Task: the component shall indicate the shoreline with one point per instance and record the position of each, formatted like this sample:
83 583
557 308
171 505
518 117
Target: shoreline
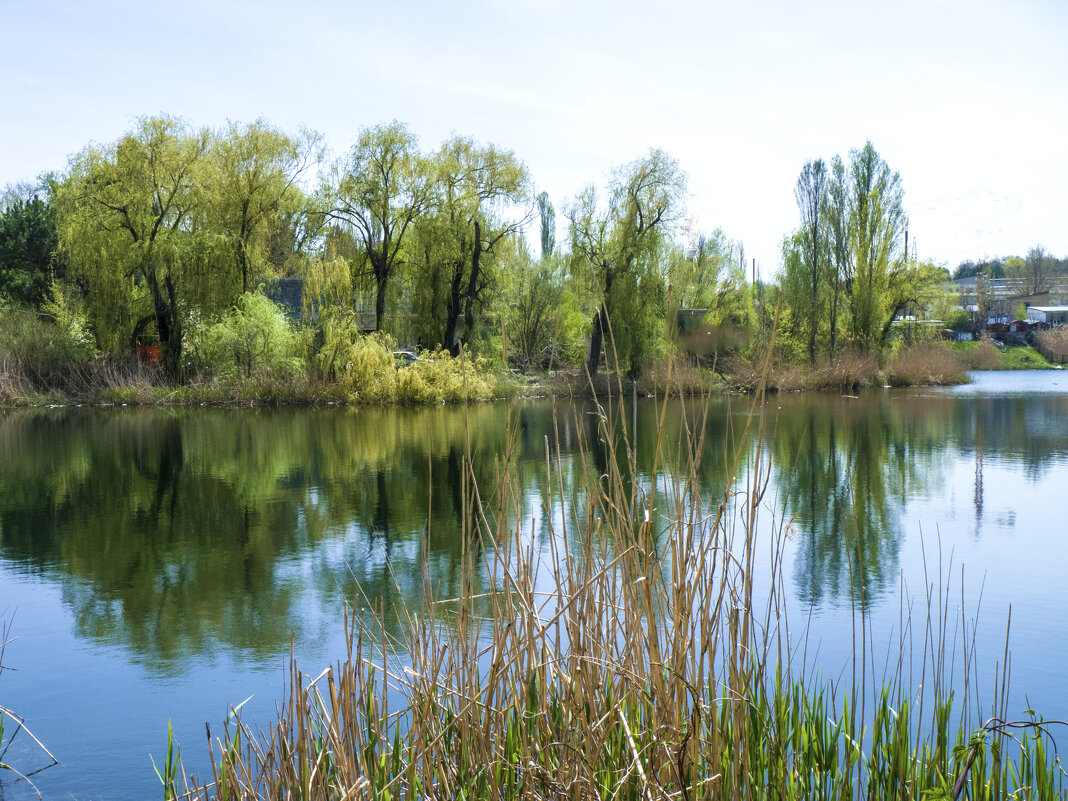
133 384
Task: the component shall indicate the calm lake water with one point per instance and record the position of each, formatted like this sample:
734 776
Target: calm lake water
156 565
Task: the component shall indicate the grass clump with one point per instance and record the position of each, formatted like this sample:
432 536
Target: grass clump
848 371
927 364
1054 344
40 355
628 655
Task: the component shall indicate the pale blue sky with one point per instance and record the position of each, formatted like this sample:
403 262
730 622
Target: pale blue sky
967 99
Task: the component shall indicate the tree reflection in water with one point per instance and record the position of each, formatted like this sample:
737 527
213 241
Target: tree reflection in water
175 533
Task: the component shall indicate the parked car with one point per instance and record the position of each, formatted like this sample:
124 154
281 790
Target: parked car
403 358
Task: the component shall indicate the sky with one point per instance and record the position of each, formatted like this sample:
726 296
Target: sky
966 99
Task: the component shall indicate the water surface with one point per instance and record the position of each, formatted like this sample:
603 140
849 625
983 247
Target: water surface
158 564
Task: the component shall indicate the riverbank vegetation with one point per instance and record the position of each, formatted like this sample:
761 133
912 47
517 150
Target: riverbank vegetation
246 263
635 653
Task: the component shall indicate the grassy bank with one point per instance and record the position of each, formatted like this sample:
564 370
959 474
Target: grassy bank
630 654
254 356
985 355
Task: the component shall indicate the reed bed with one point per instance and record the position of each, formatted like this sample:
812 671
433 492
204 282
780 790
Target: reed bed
927 363
640 651
980 356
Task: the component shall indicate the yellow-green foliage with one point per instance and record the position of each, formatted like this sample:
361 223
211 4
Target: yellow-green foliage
363 364
253 341
69 316
438 377
370 370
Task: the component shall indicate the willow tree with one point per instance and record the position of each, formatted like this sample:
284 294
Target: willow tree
253 193
379 191
617 249
477 202
127 222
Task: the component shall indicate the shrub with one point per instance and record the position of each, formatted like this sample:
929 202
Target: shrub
959 321
371 370
364 366
438 377
253 341
48 355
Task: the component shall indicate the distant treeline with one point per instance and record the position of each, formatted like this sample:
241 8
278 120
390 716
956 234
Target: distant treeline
159 235
1038 269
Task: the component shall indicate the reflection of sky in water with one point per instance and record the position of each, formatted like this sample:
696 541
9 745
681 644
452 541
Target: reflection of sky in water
1011 382
987 520
973 476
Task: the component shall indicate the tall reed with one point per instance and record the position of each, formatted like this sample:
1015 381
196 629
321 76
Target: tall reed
638 652
34 757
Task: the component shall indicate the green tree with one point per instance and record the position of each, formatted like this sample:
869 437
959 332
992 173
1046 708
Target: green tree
618 249
28 242
697 272
811 195
127 223
1035 274
547 218
540 311
836 217
379 191
476 192
876 224
253 196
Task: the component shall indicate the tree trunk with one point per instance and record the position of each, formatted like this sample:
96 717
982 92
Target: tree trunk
452 338
813 323
172 347
380 299
164 314
834 314
600 325
471 295
596 340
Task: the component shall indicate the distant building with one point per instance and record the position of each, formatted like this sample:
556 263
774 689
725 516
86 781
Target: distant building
1048 315
289 294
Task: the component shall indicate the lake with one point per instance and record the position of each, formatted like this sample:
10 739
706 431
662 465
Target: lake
158 565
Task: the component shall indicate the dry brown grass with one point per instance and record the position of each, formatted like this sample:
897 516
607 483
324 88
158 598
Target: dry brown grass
984 356
1053 343
926 364
15 386
847 371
